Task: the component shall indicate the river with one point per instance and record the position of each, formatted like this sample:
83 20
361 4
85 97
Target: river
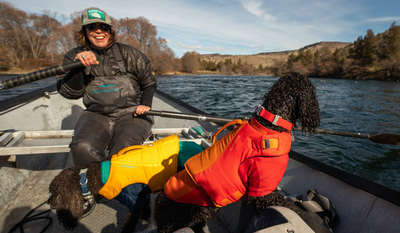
365 107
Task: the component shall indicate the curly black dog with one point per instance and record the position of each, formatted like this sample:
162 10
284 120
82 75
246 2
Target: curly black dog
129 177
68 201
190 196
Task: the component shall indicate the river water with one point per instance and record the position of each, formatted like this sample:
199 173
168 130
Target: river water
365 107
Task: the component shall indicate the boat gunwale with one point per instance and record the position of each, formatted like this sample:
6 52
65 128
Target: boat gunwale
26 97
353 180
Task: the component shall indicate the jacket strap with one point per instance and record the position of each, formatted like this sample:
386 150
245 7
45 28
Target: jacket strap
120 60
234 122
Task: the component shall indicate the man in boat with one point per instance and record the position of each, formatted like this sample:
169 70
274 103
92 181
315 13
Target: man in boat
116 85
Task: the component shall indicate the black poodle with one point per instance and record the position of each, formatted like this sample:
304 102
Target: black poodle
68 200
130 177
248 163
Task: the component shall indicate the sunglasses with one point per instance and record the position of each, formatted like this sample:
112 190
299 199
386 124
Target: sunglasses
102 26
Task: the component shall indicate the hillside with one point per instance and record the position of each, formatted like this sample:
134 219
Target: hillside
268 59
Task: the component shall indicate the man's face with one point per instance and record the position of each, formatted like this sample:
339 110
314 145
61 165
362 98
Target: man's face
98 34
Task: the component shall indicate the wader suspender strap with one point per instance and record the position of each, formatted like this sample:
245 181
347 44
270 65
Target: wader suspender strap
120 61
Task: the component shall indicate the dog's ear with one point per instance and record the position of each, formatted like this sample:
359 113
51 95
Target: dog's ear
66 197
309 113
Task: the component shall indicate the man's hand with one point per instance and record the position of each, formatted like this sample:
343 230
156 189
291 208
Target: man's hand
87 58
141 109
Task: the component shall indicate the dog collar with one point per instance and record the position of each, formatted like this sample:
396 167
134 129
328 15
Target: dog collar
83 182
274 119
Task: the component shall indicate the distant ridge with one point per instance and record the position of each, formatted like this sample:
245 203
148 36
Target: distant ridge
268 58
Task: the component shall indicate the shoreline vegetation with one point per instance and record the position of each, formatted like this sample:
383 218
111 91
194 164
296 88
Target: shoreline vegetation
370 57
19 71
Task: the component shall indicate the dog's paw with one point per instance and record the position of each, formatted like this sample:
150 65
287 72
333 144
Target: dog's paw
146 212
130 223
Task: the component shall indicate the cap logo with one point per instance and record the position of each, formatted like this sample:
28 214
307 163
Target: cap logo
96 14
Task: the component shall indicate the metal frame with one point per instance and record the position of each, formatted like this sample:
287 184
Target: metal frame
10 141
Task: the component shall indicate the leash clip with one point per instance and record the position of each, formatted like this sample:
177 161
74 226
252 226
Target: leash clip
259 109
276 120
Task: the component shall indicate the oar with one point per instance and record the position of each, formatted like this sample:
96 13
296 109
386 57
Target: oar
382 138
38 75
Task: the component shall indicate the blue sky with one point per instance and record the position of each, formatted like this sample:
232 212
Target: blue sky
239 27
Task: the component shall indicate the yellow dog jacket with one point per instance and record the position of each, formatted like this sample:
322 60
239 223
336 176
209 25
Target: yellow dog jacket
152 164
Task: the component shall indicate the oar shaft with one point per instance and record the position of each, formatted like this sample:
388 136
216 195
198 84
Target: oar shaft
356 135
38 75
214 119
195 117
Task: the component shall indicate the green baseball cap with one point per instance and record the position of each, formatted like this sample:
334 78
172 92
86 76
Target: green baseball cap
95 15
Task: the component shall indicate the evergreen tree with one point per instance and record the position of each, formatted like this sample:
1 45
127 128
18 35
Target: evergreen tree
239 63
308 58
317 56
393 41
219 65
291 59
357 51
325 53
370 48
300 56
203 65
337 57
212 66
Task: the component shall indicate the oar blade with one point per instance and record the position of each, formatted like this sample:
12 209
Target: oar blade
386 138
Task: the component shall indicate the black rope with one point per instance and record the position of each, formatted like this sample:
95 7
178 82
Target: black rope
32 218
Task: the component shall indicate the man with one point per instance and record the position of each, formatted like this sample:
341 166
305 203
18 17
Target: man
117 87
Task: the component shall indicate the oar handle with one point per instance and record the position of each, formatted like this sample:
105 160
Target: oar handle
38 75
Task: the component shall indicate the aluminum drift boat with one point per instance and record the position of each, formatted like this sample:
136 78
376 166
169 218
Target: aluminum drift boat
37 128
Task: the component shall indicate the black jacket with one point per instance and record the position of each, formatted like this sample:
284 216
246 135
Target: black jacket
138 67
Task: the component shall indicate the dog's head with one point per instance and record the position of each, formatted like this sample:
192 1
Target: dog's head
293 98
66 197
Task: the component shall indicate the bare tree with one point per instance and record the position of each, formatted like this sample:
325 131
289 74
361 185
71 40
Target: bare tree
176 65
190 62
127 32
65 35
160 55
52 26
12 23
146 31
279 67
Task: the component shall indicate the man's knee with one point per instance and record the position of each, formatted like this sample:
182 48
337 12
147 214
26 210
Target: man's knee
83 153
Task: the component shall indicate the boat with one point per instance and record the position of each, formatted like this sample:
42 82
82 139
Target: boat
36 129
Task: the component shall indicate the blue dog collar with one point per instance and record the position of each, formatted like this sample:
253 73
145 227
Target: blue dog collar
83 182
